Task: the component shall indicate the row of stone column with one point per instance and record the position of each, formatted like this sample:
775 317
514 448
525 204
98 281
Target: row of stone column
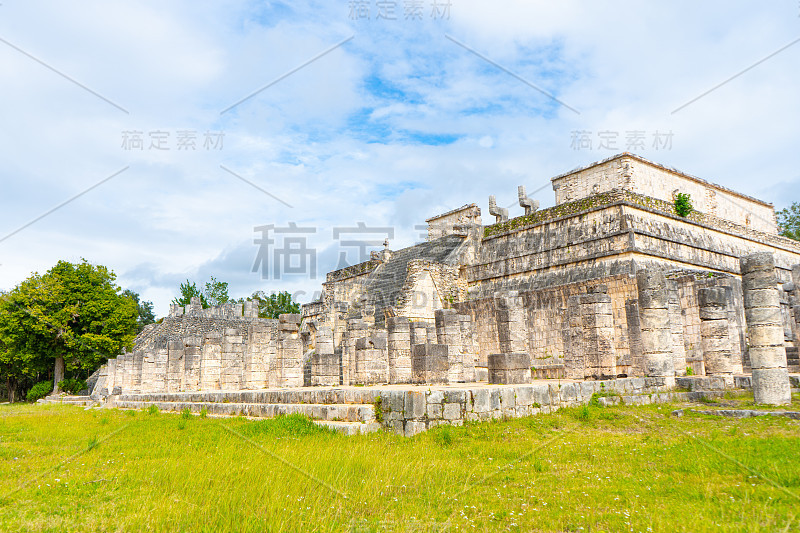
271 357
370 356
764 328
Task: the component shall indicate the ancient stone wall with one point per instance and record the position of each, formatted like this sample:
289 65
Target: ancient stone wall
644 177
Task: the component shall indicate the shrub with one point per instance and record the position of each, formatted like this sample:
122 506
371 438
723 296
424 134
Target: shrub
186 414
683 204
40 390
72 385
689 371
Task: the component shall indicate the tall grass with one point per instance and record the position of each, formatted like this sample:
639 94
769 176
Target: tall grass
597 469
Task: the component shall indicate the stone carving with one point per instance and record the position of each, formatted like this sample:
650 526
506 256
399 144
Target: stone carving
529 204
500 213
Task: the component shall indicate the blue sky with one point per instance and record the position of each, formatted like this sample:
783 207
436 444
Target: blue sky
405 119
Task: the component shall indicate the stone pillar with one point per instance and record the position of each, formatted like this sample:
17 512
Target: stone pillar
232 360
256 356
656 332
448 332
192 353
419 333
175 366
598 334
371 359
511 328
469 347
513 364
111 370
324 361
572 334
133 372
290 351
158 372
399 349
765 329
429 363
121 381
356 328
718 357
210 361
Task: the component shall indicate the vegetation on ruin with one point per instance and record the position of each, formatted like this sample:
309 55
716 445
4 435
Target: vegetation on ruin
683 204
585 469
275 304
789 221
62 324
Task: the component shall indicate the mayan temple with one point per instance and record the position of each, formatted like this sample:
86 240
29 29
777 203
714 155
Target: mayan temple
609 289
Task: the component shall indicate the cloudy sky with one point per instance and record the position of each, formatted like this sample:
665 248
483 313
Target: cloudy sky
155 137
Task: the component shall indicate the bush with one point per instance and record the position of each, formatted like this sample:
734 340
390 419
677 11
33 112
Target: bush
72 385
40 390
683 204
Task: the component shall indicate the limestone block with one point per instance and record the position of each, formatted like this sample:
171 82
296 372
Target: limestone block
509 368
429 363
766 335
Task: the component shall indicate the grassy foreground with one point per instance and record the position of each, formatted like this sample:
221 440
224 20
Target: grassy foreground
64 468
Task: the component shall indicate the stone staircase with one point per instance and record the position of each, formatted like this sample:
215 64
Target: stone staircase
793 359
386 282
348 411
64 399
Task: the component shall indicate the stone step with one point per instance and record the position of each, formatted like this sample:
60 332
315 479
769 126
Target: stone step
67 400
283 396
328 412
350 428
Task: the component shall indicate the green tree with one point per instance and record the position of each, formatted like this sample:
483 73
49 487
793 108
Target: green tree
73 317
275 304
189 291
789 221
145 312
216 292
19 365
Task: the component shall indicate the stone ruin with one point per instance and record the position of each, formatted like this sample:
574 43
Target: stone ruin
609 283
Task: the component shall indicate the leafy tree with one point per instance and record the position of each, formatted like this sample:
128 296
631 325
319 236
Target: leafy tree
73 318
789 221
189 291
145 312
216 292
275 304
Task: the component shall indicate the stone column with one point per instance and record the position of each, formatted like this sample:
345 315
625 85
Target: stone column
290 351
210 361
191 363
133 373
765 329
656 332
718 357
399 349
232 360
324 361
158 382
175 365
419 333
598 334
371 359
511 327
448 332
469 347
356 328
513 364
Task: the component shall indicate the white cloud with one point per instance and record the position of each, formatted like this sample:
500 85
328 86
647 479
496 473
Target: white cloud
353 136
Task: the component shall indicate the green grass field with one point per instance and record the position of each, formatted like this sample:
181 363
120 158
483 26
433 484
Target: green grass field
586 469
